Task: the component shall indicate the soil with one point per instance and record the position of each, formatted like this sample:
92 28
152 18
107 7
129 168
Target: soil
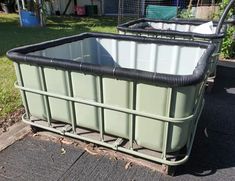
10 119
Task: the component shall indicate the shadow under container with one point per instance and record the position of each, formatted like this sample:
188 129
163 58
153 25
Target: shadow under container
176 29
146 92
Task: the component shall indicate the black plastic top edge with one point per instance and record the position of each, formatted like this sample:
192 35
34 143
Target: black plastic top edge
175 20
126 28
20 55
69 39
199 21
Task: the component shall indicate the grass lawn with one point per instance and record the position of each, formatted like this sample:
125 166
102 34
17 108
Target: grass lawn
11 36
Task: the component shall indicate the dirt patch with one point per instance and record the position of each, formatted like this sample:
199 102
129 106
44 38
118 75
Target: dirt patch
11 119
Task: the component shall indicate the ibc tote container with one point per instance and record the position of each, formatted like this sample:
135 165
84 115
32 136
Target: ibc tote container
180 29
145 93
174 29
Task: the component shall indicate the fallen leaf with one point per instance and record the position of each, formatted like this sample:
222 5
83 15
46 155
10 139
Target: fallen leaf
91 152
128 165
76 144
36 134
205 132
63 151
67 142
52 159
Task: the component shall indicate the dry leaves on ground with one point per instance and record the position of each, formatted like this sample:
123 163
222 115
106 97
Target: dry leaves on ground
11 119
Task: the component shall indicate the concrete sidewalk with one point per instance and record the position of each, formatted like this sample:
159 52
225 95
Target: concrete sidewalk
213 154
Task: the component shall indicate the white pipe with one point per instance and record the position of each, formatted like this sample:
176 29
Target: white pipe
23 4
19 9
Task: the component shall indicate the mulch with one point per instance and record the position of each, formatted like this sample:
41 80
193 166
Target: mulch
10 119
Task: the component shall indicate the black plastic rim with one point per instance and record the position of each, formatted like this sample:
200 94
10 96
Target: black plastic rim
126 28
20 55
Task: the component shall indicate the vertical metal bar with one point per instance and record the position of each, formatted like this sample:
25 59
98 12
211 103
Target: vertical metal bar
70 51
115 51
156 59
174 27
166 128
23 93
45 97
162 26
19 10
177 5
153 54
192 123
142 8
132 123
175 60
98 50
82 52
187 27
23 4
134 65
71 103
133 58
41 13
101 120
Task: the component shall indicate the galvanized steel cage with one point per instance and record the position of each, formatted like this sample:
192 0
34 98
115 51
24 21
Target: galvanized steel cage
122 92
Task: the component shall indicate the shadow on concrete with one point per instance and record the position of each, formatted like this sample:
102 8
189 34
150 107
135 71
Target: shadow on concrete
214 145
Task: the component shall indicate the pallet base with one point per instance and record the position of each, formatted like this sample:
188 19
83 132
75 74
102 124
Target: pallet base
94 149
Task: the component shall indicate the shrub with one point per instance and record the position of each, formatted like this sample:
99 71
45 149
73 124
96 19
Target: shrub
228 46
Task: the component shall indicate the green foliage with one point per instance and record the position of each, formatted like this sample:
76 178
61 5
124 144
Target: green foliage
185 14
9 97
228 46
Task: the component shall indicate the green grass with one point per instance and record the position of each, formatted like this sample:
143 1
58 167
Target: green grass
11 36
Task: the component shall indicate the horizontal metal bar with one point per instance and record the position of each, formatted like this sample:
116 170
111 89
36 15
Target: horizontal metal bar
126 150
66 133
124 110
